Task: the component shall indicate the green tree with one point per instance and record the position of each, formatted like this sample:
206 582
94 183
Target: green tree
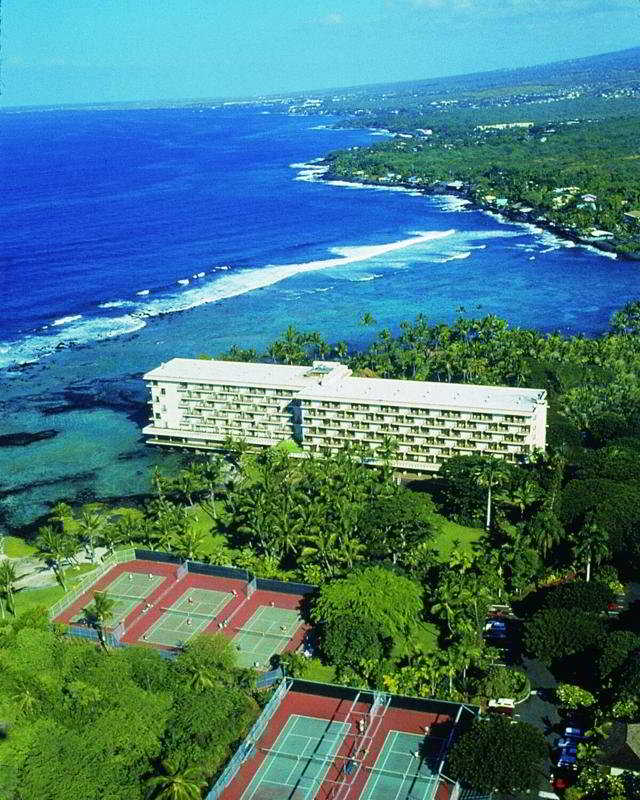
544 531
491 474
8 578
91 525
176 784
347 641
591 545
393 525
374 593
495 755
100 614
555 633
53 547
614 652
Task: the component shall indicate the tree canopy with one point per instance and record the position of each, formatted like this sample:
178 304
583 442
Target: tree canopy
496 755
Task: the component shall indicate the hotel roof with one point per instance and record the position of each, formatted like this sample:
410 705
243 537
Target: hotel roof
327 380
241 373
423 393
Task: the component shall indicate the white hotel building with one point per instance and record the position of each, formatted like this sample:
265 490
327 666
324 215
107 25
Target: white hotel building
198 404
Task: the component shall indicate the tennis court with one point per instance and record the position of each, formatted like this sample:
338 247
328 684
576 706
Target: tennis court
299 760
266 633
405 769
191 613
128 590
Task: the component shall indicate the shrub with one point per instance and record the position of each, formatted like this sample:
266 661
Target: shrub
494 754
556 633
616 650
571 696
351 639
502 682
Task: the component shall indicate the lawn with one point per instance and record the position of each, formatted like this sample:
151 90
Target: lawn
29 598
317 671
453 535
14 547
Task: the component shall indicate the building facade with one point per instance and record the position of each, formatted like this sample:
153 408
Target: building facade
199 404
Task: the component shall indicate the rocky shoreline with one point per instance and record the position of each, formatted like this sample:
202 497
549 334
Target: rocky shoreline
465 192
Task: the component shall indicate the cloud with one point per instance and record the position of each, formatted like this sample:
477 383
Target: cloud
335 18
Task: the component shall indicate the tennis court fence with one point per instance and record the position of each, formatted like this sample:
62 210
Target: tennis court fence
87 582
248 747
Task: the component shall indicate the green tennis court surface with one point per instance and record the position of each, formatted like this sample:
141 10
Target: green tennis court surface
127 590
298 761
400 774
189 615
268 632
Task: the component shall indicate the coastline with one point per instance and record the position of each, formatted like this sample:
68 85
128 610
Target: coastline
320 170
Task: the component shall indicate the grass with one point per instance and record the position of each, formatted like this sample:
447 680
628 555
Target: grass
452 533
30 598
317 671
14 547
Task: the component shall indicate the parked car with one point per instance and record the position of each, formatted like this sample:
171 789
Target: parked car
568 758
495 629
502 705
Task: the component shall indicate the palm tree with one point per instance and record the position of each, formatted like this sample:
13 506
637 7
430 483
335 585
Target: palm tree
60 513
492 472
189 544
176 785
186 484
591 545
53 547
525 495
8 577
323 547
90 526
200 678
100 614
26 700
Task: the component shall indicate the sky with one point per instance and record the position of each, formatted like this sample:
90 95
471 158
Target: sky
87 51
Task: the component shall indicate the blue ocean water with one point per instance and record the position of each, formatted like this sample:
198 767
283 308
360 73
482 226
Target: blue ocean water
113 221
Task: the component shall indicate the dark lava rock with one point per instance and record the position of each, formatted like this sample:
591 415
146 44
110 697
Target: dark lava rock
23 438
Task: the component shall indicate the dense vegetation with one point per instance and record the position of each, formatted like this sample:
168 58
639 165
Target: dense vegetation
527 167
78 722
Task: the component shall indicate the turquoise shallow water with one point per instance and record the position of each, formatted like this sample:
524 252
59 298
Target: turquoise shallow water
214 193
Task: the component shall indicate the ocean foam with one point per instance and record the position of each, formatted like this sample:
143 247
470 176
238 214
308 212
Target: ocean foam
65 320
117 304
82 331
368 277
455 257
450 202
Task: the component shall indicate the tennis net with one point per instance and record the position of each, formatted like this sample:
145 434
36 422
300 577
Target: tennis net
123 596
279 636
349 764
187 614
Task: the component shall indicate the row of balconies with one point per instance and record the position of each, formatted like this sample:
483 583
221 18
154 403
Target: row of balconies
313 406
433 423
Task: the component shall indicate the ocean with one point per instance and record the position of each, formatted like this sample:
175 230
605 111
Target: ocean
129 237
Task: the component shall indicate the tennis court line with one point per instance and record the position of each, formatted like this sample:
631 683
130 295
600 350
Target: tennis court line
407 779
305 760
